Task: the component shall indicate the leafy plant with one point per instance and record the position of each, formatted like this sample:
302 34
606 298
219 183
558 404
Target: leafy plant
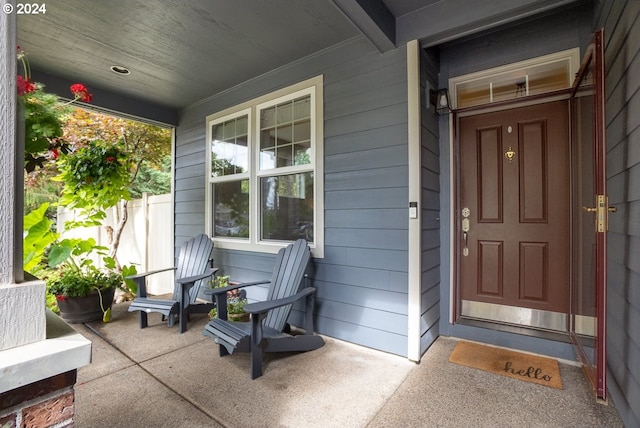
219 281
95 177
236 299
74 283
38 236
68 266
235 306
78 284
44 115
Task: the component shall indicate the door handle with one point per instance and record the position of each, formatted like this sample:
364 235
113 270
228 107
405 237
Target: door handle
602 210
465 230
465 249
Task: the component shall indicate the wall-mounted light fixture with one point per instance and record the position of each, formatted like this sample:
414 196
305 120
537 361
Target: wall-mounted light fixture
439 98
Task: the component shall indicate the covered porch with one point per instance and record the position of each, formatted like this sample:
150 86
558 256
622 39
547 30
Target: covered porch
386 275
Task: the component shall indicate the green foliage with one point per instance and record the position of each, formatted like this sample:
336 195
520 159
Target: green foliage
219 281
235 306
52 302
154 180
95 177
72 283
129 284
39 189
76 253
38 235
42 117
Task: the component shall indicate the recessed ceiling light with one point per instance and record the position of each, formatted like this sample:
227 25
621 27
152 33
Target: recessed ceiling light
120 69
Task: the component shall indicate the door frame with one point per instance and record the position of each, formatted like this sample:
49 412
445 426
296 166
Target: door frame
597 373
597 376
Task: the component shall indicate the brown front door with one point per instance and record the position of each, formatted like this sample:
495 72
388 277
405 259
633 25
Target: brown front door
514 228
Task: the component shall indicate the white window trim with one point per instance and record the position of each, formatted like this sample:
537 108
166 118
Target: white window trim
570 56
314 87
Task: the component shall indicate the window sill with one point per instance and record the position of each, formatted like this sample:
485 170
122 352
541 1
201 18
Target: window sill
268 247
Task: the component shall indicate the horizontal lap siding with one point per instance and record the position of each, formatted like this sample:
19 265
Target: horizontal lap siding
362 280
621 21
430 209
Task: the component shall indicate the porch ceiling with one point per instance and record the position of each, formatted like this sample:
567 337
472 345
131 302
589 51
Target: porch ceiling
180 52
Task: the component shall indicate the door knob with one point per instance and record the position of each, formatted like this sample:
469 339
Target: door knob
590 209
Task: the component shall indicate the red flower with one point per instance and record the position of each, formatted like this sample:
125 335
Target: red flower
81 92
61 297
54 153
25 86
110 159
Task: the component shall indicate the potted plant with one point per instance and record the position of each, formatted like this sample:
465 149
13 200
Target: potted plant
84 296
236 300
83 291
235 310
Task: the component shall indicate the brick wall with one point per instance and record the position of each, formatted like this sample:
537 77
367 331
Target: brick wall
48 402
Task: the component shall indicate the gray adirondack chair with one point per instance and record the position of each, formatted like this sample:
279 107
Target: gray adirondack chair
266 330
193 267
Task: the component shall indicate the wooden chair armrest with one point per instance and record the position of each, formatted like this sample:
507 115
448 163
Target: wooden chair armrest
231 287
145 274
141 282
266 306
194 278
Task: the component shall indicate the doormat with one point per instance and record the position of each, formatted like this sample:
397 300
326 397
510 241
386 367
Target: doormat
517 365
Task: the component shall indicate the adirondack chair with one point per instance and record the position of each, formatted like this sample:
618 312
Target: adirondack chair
266 332
193 266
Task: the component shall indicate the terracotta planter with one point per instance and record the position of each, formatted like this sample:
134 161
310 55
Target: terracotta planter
84 309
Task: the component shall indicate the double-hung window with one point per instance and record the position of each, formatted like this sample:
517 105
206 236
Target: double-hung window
264 185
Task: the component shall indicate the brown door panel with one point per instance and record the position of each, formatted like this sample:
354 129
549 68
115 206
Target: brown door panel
514 178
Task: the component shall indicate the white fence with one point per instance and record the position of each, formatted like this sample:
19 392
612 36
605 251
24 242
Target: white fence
146 241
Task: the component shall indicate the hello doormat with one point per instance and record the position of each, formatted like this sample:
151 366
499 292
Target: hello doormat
530 368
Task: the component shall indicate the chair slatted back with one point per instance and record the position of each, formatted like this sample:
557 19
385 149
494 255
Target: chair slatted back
193 260
288 272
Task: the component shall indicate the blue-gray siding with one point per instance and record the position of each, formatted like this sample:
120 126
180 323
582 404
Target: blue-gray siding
621 20
430 203
362 280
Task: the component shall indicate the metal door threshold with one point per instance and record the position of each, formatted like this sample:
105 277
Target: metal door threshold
516 316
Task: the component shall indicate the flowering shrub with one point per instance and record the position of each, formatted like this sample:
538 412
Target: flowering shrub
44 116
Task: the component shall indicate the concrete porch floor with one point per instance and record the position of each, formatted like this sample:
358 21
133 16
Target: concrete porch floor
158 377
